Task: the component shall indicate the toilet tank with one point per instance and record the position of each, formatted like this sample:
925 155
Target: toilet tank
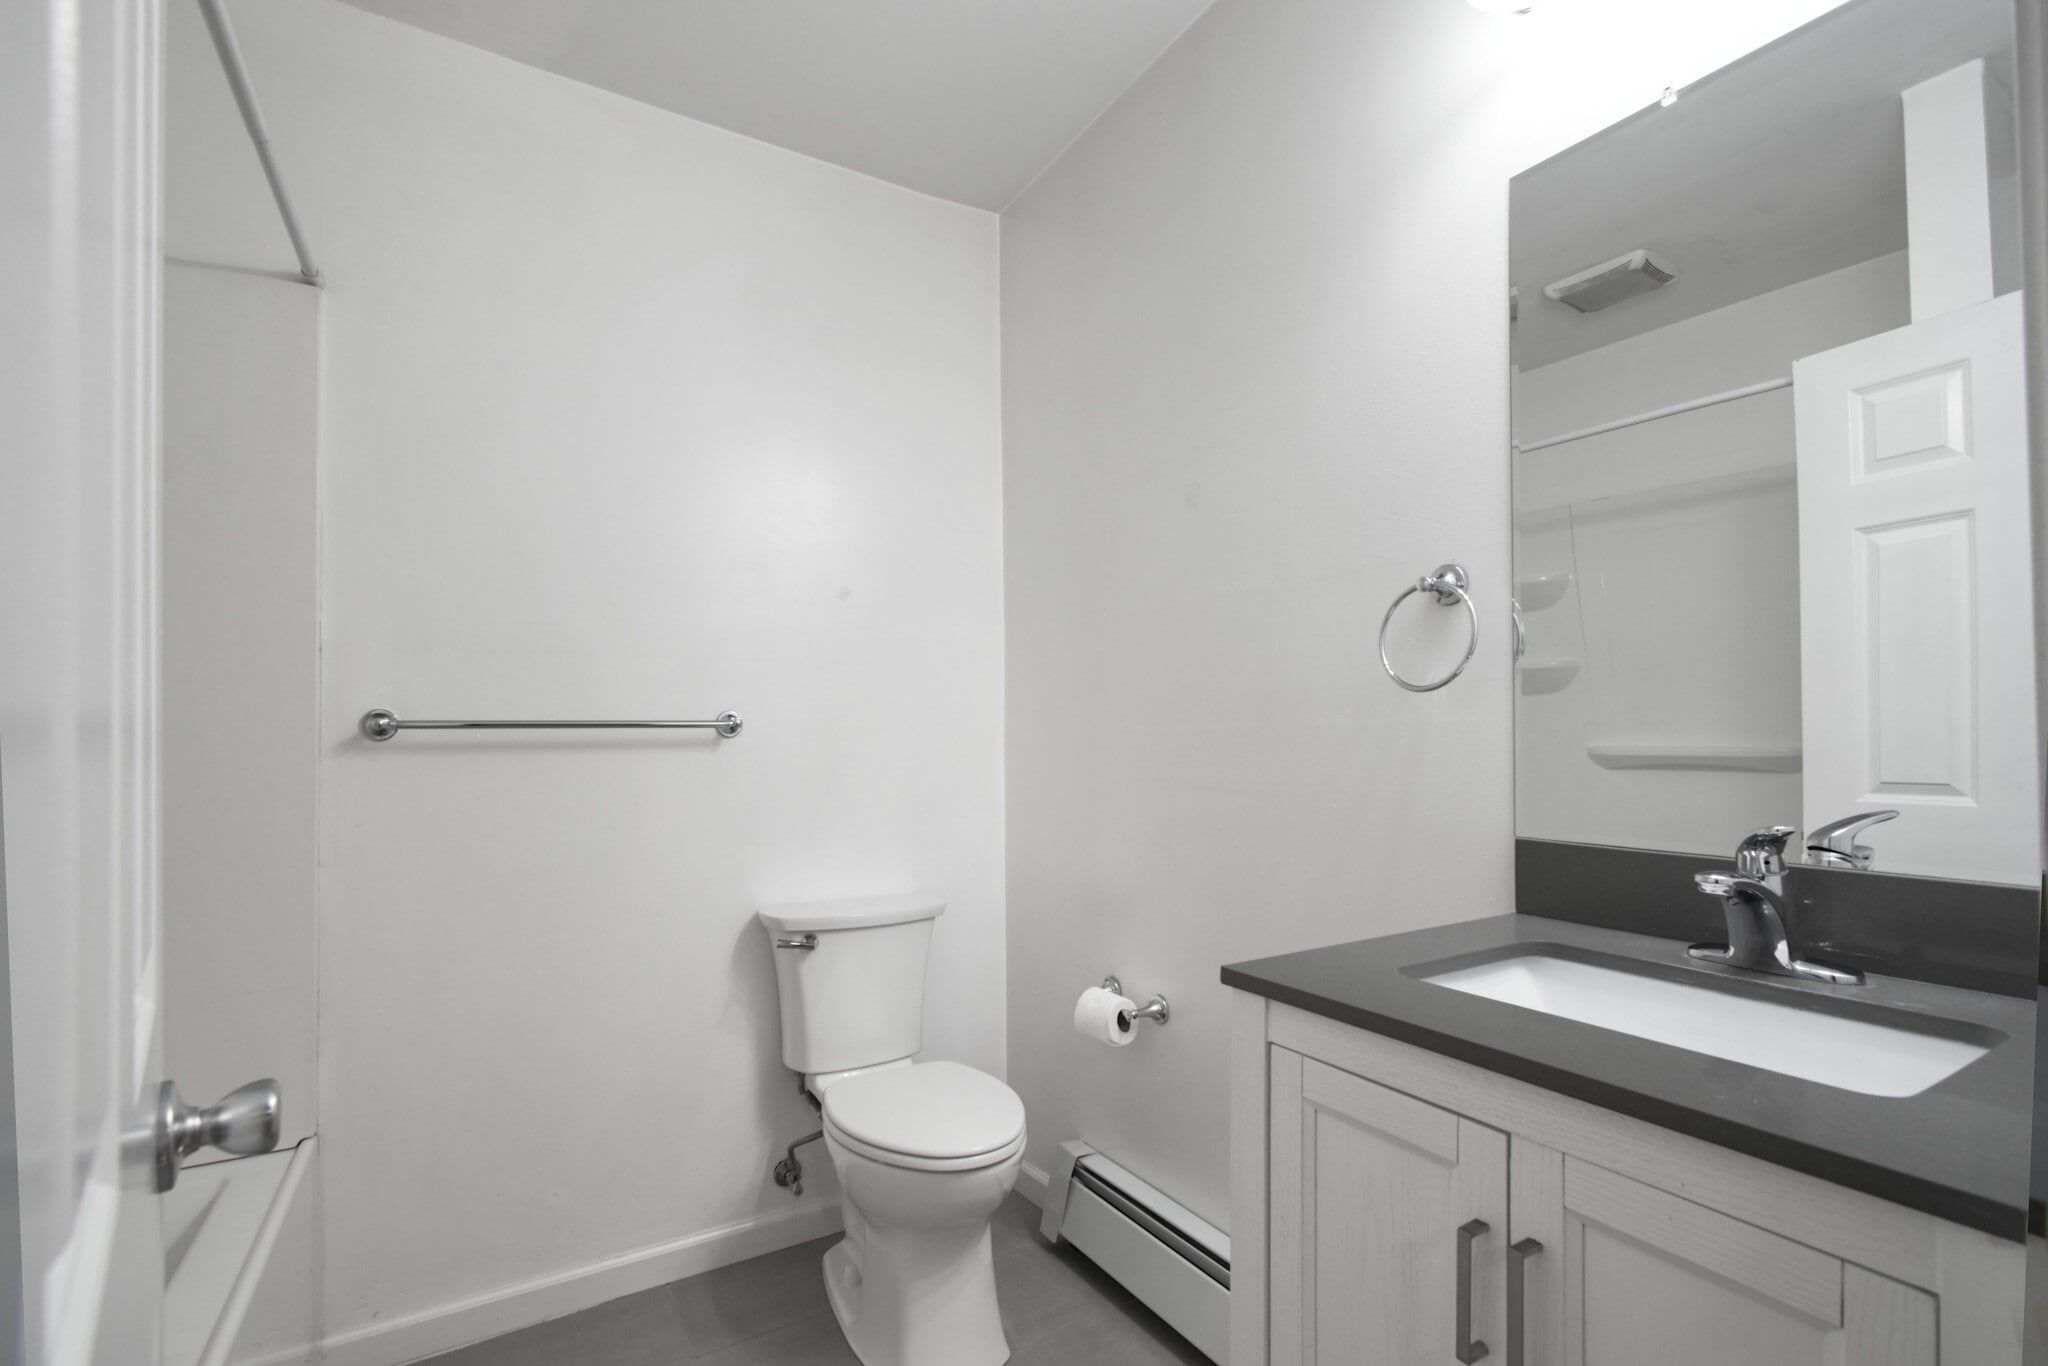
857 999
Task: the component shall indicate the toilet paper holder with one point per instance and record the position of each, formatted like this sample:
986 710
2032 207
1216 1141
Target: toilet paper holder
1154 1010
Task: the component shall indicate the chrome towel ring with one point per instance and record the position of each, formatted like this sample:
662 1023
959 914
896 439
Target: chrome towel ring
1449 583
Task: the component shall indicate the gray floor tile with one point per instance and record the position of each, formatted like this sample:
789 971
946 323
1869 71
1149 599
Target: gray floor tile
1108 1349
1059 1309
748 1299
638 1330
814 1342
1054 1294
1106 1327
1015 1225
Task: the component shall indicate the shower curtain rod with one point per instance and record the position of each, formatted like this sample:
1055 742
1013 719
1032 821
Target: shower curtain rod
223 33
1691 405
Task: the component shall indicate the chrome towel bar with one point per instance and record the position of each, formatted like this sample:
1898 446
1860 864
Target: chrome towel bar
382 725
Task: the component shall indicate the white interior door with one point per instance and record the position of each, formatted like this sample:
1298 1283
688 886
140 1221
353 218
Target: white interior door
79 97
1916 593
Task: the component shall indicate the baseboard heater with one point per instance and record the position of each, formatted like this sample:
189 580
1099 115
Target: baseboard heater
1177 1263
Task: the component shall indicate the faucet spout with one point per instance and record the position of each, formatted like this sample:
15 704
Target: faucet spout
1757 938
1756 923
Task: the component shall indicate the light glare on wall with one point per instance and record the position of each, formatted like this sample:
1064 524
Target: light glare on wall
1503 6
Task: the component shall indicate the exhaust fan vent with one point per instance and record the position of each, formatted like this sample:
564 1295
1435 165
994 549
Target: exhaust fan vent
1612 281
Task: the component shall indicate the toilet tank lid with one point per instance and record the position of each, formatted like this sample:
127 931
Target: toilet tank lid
849 913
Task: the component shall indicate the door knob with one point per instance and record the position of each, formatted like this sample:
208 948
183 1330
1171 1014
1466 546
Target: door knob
249 1119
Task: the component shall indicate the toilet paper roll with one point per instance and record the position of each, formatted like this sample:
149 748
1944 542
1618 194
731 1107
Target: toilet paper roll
1104 1016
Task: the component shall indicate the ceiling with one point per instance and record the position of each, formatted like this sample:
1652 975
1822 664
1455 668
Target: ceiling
967 100
1786 165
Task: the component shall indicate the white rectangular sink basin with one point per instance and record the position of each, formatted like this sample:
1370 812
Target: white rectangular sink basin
1815 1045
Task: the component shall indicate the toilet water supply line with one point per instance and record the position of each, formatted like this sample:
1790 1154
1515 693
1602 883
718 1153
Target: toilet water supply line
231 64
789 1173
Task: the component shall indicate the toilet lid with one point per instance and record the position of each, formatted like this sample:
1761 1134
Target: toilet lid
932 1109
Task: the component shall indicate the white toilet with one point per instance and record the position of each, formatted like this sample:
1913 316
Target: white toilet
925 1152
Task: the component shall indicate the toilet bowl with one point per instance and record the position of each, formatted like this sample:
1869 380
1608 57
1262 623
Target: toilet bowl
925 1153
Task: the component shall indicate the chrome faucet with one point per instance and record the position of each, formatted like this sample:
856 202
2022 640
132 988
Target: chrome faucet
1754 898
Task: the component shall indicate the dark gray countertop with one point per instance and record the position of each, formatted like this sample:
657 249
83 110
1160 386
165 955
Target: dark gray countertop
1959 1150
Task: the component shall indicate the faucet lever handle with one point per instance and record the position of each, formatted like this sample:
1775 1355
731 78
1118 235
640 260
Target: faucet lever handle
1762 853
1835 843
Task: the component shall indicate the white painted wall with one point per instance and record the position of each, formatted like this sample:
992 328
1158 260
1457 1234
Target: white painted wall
1255 380
1643 521
621 415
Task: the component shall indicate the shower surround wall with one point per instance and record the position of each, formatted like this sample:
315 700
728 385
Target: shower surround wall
1254 382
1628 517
622 415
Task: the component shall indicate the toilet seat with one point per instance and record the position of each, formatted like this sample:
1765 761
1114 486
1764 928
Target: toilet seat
907 1162
936 1116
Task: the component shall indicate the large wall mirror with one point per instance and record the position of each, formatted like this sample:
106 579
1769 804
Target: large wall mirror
1771 529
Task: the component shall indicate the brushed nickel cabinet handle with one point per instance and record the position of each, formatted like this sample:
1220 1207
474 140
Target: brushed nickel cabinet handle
1518 1267
1467 1348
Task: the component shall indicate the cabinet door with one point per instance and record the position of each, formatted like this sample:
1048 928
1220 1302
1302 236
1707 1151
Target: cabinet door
1370 1191
1648 1277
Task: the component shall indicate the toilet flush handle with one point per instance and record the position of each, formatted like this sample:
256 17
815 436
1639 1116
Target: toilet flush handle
807 941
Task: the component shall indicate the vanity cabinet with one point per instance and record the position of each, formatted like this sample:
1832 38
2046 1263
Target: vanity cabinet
1380 1203
1386 1200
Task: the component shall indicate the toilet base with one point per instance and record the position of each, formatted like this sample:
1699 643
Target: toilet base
916 1297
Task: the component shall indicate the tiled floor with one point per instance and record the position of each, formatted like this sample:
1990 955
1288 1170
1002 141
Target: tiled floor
1058 1310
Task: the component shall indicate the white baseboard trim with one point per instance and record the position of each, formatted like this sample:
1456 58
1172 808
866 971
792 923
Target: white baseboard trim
443 1328
1033 1184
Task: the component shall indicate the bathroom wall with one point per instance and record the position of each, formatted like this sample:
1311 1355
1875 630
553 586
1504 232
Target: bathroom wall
1255 381
620 415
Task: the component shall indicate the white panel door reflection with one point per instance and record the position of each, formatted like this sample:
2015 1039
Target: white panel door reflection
1916 592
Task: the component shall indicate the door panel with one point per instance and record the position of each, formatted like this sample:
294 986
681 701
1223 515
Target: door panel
1887 1324
1915 586
1370 1188
78 629
1641 1305
1647 1276
1536 1218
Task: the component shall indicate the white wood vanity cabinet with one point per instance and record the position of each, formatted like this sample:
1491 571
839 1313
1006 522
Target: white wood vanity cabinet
1364 1169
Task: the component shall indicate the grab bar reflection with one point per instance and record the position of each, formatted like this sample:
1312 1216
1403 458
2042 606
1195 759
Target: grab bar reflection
380 724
